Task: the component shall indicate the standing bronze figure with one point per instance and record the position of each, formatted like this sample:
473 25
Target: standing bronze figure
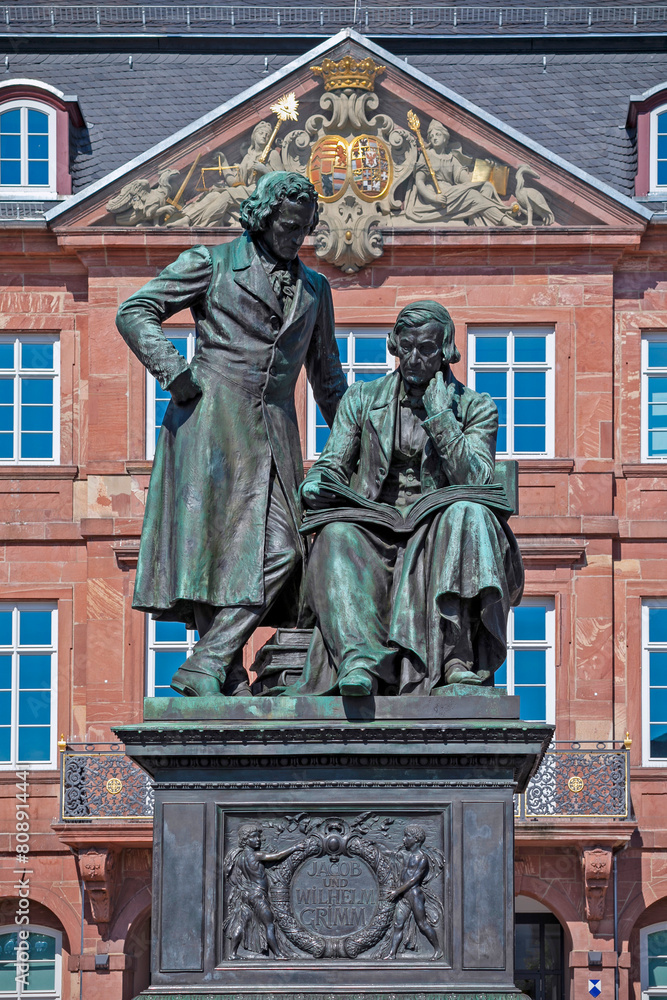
220 547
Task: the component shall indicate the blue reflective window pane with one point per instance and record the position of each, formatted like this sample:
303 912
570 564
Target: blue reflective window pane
495 383
662 171
10 147
370 350
529 411
37 356
500 676
657 416
530 623
166 692
6 418
501 440
6 391
160 410
321 438
10 172
502 410
34 708
657 351
530 384
662 146
5 672
658 735
5 628
490 349
8 977
181 345
5 708
658 668
530 349
36 390
5 755
530 666
10 121
533 703
36 446
167 662
662 122
35 628
38 147
36 418
657 624
6 355
657 944
657 389
37 121
170 632
342 348
529 439
34 671
658 704
368 376
6 445
42 947
34 743
38 172
657 443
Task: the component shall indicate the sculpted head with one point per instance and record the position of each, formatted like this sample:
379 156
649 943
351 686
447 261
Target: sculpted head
415 834
423 342
260 135
250 834
281 212
437 134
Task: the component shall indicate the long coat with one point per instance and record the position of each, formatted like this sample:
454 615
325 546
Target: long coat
204 526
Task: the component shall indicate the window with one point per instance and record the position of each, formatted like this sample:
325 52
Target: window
169 645
43 977
530 668
654 397
658 144
516 368
29 399
27 684
538 956
653 961
364 356
157 398
654 682
27 149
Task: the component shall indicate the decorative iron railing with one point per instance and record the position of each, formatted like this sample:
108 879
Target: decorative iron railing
581 779
98 782
304 17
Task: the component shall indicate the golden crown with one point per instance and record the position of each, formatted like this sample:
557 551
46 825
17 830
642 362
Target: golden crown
357 74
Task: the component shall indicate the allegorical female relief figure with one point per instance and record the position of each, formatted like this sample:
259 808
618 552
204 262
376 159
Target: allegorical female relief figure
460 201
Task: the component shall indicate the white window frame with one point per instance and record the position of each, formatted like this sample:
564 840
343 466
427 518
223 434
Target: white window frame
25 191
349 367
20 993
654 187
152 647
646 373
23 374
191 334
647 648
655 992
548 644
548 366
17 606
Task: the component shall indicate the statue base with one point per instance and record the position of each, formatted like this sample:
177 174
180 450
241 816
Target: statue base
312 848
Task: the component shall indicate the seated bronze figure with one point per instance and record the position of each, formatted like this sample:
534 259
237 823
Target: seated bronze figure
410 611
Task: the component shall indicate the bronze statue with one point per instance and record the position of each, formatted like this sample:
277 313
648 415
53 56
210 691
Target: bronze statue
410 895
220 547
414 567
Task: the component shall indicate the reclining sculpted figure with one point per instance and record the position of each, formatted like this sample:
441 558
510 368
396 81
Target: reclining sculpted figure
407 606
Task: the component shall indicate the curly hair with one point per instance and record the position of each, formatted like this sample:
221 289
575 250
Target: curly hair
420 313
272 189
415 831
246 832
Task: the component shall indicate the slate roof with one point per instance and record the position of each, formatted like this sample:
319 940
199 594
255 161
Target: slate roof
575 105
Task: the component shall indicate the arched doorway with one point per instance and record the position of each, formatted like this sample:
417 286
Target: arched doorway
539 958
138 945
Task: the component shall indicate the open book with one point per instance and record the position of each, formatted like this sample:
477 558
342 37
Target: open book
361 510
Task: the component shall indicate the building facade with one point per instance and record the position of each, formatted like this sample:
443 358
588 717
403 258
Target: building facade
546 242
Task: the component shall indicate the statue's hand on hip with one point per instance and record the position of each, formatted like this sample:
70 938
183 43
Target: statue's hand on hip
184 388
439 395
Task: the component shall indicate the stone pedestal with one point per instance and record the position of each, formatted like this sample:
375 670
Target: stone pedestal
311 847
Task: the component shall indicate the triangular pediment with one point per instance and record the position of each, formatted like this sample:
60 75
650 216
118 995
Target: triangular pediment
388 148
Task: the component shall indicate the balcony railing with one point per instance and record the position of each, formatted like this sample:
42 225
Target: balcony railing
98 782
583 780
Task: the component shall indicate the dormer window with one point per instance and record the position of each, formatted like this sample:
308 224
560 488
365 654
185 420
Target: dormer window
659 149
27 148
